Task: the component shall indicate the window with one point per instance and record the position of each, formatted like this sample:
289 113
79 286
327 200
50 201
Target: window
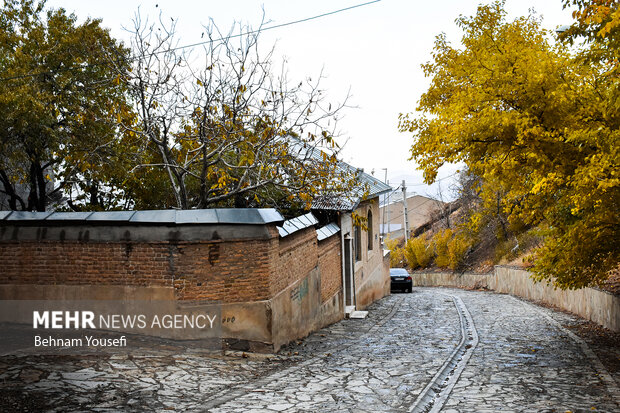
369 225
358 243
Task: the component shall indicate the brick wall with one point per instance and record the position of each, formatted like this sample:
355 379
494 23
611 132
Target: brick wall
250 269
297 256
230 271
75 263
225 270
330 265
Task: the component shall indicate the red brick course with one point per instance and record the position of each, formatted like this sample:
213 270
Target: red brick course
298 255
330 264
225 270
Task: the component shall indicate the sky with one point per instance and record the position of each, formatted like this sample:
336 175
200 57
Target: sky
374 51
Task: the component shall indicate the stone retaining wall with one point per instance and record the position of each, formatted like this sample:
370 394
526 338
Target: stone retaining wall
601 307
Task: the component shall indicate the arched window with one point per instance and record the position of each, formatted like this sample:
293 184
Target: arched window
370 233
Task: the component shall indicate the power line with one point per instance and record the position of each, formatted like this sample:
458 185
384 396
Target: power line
277 26
436 180
423 184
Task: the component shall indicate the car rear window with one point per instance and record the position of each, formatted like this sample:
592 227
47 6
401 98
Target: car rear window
398 271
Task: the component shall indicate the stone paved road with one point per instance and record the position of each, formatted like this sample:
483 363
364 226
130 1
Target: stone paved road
514 356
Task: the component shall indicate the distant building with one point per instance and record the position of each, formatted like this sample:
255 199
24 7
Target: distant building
420 211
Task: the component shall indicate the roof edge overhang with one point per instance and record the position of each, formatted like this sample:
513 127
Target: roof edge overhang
216 216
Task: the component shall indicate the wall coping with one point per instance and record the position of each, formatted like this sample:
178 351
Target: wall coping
230 216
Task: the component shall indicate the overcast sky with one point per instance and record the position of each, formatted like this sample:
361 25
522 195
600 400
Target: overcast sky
375 51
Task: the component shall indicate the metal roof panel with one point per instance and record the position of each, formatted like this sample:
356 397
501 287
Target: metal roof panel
164 216
27 216
113 216
327 231
69 216
196 216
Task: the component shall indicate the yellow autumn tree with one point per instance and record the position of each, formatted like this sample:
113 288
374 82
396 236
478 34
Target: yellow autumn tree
539 126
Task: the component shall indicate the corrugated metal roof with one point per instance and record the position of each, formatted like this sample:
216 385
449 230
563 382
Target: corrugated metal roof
298 223
369 186
335 202
241 216
327 231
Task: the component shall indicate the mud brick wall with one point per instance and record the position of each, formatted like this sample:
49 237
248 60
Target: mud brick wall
330 264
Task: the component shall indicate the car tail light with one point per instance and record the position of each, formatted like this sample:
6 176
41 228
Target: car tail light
409 278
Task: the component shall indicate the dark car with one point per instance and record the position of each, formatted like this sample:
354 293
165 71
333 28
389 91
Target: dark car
401 280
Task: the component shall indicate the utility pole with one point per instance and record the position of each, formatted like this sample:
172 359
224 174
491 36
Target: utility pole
406 213
387 211
385 205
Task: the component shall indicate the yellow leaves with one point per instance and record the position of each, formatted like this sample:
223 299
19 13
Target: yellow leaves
221 183
359 221
199 82
543 183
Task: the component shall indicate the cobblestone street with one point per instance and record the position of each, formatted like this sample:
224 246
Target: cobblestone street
432 350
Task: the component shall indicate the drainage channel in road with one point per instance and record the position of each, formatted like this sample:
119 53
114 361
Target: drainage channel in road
435 394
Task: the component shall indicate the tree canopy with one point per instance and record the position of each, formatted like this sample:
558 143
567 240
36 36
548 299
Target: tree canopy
538 123
223 127
58 104
90 124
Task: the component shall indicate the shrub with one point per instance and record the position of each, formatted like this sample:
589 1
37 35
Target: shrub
440 244
397 258
397 254
390 244
457 248
410 258
419 252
